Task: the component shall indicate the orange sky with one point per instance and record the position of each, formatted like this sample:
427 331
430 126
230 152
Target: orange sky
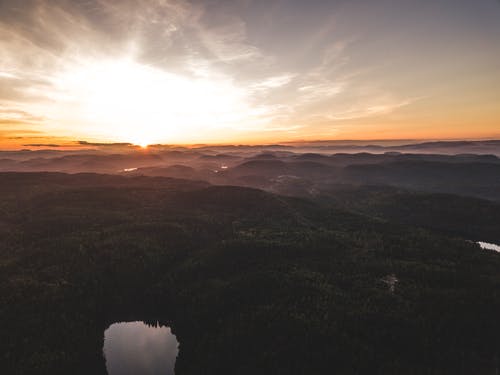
179 72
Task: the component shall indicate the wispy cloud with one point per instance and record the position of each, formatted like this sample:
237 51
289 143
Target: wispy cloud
42 145
43 40
247 66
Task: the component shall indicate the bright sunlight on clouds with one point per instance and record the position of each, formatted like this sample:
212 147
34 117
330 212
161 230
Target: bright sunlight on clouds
189 71
127 101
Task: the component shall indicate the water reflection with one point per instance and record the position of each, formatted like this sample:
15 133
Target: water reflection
139 348
489 246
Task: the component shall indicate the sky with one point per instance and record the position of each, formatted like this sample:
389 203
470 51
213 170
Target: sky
247 71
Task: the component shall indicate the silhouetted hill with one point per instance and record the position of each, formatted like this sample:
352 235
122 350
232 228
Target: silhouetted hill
219 157
470 218
30 184
261 168
249 281
175 171
311 156
475 179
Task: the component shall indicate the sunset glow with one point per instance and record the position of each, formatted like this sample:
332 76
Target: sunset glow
131 102
178 71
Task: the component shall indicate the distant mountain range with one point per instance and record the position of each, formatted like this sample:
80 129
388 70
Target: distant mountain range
460 167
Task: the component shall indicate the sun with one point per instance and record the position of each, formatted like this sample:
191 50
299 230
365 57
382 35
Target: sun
124 100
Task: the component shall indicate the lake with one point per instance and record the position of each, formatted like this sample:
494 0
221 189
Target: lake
139 348
489 246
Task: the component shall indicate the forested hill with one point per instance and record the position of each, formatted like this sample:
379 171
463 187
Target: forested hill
250 281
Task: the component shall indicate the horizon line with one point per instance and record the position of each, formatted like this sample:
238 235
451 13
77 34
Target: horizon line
76 145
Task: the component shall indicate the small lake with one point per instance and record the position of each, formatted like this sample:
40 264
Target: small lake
489 246
132 348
